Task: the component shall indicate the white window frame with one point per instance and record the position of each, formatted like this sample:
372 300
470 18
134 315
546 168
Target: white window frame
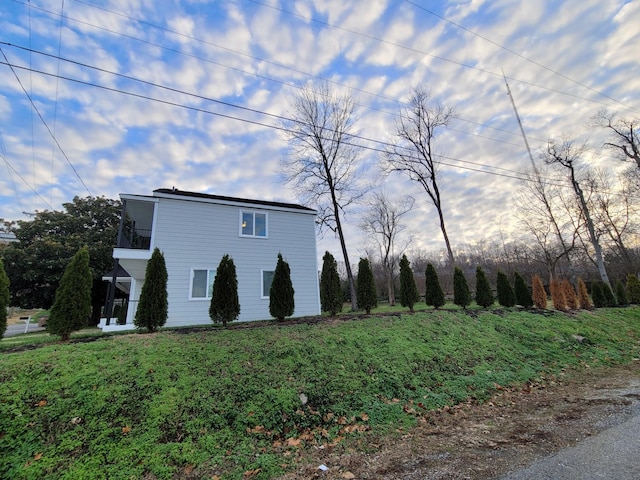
211 275
262 272
253 214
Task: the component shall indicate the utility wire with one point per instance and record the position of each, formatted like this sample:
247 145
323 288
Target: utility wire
249 73
507 49
414 50
190 37
43 120
201 97
511 173
3 154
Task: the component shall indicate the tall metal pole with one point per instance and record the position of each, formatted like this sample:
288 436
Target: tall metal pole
524 136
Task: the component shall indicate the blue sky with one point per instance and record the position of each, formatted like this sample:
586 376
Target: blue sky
235 64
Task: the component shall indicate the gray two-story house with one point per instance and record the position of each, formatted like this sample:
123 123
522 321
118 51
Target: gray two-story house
194 231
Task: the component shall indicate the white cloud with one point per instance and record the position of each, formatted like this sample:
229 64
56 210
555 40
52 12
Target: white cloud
121 143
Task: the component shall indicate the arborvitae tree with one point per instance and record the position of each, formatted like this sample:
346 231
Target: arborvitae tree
433 294
583 296
557 295
225 305
461 293
484 295
597 295
153 307
621 293
539 293
609 297
409 295
331 297
506 297
281 302
523 296
570 296
4 298
633 289
366 293
72 305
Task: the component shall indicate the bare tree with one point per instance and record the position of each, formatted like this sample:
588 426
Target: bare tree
625 138
541 209
414 151
617 217
323 158
381 221
567 154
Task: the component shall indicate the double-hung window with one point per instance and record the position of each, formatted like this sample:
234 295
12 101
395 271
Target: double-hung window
201 284
253 224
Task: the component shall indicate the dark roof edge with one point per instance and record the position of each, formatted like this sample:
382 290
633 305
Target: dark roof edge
182 193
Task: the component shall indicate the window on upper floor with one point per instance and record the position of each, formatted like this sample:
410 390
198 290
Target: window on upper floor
253 224
201 284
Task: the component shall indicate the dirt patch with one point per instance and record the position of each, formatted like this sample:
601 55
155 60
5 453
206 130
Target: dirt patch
472 441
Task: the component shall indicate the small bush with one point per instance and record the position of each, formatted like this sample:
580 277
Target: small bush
281 293
433 294
583 296
484 295
609 297
570 297
331 297
506 296
409 295
523 295
225 304
5 298
461 293
153 307
539 293
72 305
621 293
597 295
367 296
557 295
633 289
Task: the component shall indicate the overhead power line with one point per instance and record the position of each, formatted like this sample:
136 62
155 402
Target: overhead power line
513 52
421 52
3 154
35 108
477 167
259 59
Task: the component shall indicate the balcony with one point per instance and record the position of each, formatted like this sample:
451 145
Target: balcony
134 238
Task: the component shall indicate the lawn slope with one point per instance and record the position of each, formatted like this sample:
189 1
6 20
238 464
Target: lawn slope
237 403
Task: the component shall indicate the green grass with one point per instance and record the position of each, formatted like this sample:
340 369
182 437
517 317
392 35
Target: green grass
223 402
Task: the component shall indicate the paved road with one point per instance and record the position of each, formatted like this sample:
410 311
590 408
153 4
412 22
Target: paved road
613 454
18 329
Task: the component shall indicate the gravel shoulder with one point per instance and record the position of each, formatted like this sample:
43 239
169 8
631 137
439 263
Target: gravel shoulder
470 441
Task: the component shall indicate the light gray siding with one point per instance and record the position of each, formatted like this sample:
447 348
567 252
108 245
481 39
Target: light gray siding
196 234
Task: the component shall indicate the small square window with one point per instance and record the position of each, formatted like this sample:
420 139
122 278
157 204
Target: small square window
253 224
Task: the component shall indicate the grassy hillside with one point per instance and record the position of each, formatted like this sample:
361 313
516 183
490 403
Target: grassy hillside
236 403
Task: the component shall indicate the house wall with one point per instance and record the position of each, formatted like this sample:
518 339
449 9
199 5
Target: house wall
194 234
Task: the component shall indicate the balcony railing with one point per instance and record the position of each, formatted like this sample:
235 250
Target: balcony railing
135 238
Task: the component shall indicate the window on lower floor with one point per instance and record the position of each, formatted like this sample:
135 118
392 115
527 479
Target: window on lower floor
202 283
267 278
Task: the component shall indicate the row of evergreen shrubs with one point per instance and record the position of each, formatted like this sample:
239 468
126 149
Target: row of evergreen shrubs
563 295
